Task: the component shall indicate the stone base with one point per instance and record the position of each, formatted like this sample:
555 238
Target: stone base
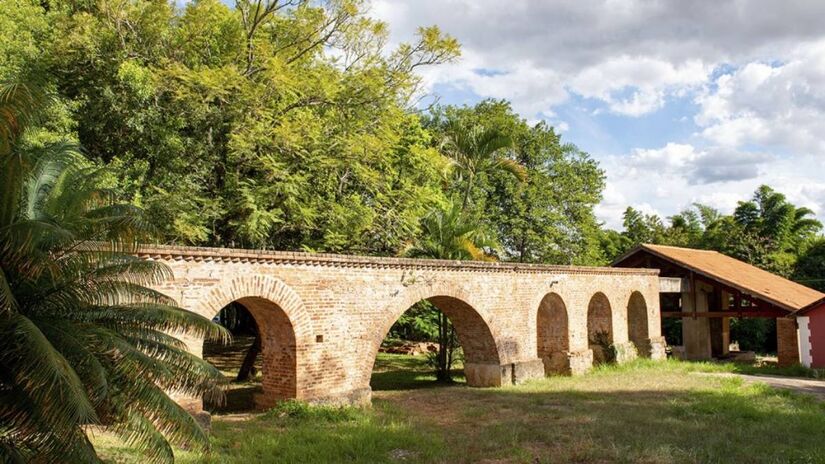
557 363
580 361
496 375
488 375
526 370
656 348
625 352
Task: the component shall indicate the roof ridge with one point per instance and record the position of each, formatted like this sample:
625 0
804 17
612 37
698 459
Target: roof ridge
683 248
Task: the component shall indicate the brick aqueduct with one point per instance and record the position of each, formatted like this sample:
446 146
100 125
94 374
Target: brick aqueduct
322 317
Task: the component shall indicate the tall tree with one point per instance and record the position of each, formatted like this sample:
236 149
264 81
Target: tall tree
476 150
279 124
545 213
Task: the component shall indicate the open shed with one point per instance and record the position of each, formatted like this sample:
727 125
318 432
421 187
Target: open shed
706 288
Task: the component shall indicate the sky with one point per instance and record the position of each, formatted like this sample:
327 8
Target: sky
679 101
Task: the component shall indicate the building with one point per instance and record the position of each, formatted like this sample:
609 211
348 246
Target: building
706 288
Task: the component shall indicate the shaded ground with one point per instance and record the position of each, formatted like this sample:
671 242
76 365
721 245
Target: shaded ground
642 412
228 358
402 372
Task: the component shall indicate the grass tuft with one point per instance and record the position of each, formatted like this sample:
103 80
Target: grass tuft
299 411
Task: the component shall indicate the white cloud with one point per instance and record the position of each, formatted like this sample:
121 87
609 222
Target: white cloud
641 50
780 105
649 79
671 178
755 71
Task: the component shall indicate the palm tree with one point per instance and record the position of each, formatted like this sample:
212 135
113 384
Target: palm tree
83 340
449 234
475 150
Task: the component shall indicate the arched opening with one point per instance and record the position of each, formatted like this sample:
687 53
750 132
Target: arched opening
553 338
637 323
260 362
435 335
600 329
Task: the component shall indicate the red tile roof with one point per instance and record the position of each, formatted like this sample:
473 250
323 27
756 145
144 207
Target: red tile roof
742 276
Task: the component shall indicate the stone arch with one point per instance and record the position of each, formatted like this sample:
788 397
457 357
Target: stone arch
284 325
553 334
600 327
637 323
475 331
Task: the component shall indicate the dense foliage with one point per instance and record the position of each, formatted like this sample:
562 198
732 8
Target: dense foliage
539 204
83 340
283 124
289 124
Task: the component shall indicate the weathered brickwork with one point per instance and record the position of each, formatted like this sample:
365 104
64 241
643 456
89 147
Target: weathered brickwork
553 341
637 323
323 317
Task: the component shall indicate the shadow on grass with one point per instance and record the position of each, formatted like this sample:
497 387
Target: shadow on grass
641 412
733 423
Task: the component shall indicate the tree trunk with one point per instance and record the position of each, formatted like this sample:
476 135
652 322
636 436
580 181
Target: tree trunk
248 366
443 368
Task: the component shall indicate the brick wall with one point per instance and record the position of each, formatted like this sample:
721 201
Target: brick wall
324 316
787 342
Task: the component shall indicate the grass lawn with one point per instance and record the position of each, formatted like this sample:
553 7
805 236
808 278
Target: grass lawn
646 412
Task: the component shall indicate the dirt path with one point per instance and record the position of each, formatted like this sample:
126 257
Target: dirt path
809 386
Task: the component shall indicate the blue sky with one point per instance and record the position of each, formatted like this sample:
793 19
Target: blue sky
680 102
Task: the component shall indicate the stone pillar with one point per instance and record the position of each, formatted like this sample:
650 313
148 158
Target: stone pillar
526 370
787 342
725 324
580 361
625 352
653 348
696 332
657 348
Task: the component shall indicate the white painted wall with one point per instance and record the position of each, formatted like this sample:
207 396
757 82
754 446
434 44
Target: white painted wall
804 341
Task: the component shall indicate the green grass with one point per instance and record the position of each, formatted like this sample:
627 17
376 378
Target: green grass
402 372
648 412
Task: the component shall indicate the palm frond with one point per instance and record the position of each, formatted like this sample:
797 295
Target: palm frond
155 316
139 432
19 106
45 376
513 167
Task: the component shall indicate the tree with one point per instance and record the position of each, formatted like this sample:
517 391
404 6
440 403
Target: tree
281 124
778 226
83 340
810 268
546 213
475 150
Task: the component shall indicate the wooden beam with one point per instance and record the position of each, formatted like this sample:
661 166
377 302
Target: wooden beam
768 314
